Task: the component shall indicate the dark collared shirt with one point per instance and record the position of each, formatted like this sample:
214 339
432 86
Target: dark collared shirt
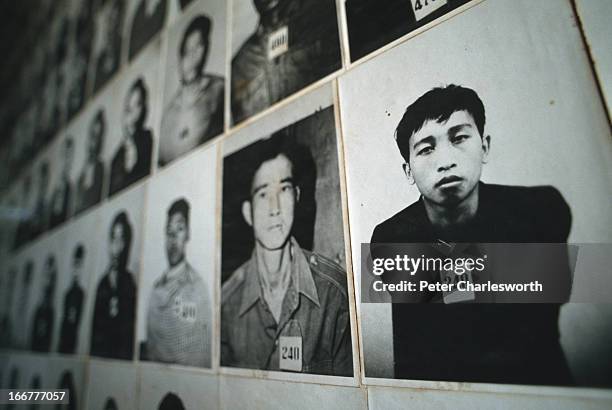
315 308
260 80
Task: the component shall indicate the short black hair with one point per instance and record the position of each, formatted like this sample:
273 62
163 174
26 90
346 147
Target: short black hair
122 219
79 252
438 104
180 206
202 24
171 402
279 143
140 85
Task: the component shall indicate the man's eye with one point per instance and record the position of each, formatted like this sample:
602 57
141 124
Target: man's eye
287 188
425 151
262 195
459 138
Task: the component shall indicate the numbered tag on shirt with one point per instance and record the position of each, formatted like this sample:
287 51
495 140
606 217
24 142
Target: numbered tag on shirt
451 278
290 353
423 8
278 42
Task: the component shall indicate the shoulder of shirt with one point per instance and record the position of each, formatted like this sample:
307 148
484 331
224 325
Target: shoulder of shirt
233 283
408 221
327 270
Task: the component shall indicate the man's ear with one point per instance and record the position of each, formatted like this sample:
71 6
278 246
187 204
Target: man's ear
486 148
408 173
246 212
297 194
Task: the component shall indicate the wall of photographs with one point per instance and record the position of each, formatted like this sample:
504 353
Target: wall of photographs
187 189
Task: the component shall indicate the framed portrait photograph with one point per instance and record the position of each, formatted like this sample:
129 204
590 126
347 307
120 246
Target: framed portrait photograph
176 304
471 145
114 284
373 24
278 48
285 298
194 86
112 385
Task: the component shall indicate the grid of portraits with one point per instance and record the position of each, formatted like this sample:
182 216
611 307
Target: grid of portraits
187 203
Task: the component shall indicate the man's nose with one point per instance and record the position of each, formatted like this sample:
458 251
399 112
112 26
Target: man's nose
273 204
445 158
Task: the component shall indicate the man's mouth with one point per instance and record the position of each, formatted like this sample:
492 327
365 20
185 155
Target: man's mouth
275 227
449 181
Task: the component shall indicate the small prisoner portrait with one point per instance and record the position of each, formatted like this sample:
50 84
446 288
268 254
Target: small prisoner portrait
443 142
132 160
73 304
195 112
112 332
295 44
171 402
42 325
40 217
89 184
22 232
375 23
285 308
148 20
6 321
67 383
109 31
22 340
81 49
179 312
61 200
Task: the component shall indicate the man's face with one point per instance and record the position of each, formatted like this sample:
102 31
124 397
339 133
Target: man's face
117 244
177 235
95 134
273 197
132 111
192 60
446 158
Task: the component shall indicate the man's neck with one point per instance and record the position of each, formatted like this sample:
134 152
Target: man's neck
448 217
274 265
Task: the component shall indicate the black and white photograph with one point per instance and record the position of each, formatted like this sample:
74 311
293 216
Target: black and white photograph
62 196
462 148
278 48
132 138
108 41
112 386
68 373
79 249
194 87
92 130
43 304
162 388
114 284
285 298
175 304
79 53
147 18
20 304
374 23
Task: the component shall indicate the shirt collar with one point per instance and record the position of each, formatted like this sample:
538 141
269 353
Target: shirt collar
301 279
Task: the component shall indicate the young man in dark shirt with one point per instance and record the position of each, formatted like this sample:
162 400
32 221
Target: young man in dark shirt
441 137
73 305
